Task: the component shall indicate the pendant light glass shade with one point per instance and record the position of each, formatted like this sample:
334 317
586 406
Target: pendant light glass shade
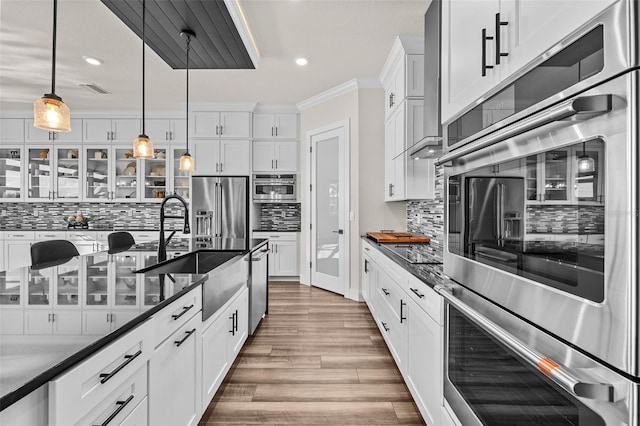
586 164
49 112
143 145
187 162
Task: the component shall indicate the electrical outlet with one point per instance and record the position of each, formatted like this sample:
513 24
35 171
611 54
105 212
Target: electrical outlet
35 213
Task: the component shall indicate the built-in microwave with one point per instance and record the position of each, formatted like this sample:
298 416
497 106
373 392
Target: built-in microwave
274 188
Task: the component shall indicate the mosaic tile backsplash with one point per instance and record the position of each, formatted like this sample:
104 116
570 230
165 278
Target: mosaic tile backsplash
279 217
564 219
426 217
132 216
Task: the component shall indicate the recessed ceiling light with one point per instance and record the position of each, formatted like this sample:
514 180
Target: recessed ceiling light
91 60
302 61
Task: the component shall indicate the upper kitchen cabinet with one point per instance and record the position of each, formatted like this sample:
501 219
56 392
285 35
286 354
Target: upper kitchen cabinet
33 134
53 173
112 174
279 156
403 73
214 124
275 126
11 130
222 157
100 130
166 130
485 42
11 171
155 175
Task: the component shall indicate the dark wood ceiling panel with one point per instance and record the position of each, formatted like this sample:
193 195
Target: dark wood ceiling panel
217 44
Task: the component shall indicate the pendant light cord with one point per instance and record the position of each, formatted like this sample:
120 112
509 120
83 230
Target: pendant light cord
144 10
188 48
53 60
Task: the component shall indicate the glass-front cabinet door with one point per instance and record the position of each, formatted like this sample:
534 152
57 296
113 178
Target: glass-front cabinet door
10 288
151 284
556 175
155 176
11 167
125 174
67 173
39 286
67 283
126 282
97 280
180 179
53 173
39 182
98 162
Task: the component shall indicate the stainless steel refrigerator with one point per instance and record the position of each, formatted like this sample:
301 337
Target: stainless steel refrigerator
220 212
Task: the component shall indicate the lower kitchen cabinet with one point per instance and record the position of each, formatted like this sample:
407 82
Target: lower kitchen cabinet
174 377
45 321
222 338
284 256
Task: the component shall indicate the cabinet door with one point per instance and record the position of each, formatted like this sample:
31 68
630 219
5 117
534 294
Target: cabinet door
414 76
394 90
263 126
179 179
207 155
205 124
67 322
178 130
235 125
263 156
462 79
174 377
286 156
214 356
34 135
68 170
534 27
126 129
286 126
39 180
365 276
74 136
11 173
17 253
556 176
96 322
424 362
138 416
11 130
97 169
286 259
158 129
154 172
235 158
238 316
125 174
37 321
97 130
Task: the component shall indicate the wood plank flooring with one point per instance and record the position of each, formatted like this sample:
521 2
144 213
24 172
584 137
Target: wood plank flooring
317 358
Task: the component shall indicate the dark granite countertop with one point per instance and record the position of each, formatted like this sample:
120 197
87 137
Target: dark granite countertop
92 282
276 230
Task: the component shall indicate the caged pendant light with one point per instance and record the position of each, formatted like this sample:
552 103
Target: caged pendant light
187 162
49 112
143 145
586 164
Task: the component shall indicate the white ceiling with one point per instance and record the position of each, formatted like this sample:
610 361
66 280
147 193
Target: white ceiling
343 39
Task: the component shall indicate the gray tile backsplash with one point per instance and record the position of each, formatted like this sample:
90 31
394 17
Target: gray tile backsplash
279 217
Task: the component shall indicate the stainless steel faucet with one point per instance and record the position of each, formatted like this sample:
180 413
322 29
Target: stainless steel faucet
162 243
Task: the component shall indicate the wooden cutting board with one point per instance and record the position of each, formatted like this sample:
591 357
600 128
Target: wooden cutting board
398 237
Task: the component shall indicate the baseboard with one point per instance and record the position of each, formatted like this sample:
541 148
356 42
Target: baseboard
354 294
284 278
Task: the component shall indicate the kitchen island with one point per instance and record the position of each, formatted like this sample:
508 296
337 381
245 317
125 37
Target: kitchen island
55 318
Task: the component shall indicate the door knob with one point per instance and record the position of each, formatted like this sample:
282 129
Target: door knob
339 231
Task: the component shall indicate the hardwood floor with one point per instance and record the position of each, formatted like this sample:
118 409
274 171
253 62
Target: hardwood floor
317 358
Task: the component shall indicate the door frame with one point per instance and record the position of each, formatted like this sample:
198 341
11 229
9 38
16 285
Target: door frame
345 126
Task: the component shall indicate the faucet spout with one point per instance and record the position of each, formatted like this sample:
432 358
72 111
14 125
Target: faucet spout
162 243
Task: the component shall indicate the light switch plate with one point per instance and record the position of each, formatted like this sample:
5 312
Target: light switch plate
352 216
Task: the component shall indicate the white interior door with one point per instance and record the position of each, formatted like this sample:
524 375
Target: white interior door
328 208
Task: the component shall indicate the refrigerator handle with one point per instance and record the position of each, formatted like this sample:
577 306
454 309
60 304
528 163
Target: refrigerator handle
500 214
219 230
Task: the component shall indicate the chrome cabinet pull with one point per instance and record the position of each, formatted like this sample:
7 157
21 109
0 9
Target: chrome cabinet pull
560 374
366 266
120 406
276 160
392 100
217 129
385 291
402 305
271 131
233 322
128 358
189 333
184 311
485 37
416 292
499 24
221 167
276 130
582 108
272 164
221 129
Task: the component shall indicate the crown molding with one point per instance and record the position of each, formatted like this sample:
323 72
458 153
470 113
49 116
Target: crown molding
338 90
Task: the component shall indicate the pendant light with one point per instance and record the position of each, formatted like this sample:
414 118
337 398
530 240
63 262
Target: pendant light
586 164
143 145
49 112
187 162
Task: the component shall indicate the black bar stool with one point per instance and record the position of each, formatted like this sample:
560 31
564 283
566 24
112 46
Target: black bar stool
120 241
47 252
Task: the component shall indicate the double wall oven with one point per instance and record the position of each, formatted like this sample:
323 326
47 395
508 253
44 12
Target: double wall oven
541 245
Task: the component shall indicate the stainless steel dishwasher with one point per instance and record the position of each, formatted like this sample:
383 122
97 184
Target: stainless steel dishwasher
258 286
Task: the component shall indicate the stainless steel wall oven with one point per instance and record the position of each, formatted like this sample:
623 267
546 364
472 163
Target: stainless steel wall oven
274 188
542 230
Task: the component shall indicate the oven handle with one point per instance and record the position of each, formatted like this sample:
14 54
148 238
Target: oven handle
580 108
558 373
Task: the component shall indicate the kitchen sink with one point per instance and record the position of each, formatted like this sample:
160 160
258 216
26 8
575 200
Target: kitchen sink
200 262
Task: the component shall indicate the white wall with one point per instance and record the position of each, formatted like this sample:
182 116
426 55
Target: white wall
364 108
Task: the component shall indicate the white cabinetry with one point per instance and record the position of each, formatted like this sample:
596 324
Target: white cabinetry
165 129
98 130
275 156
283 259
402 75
33 134
54 172
112 174
222 157
474 33
214 124
275 126
17 249
12 166
11 130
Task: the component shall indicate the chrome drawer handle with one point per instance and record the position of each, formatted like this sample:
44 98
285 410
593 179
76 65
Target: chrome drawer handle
189 333
416 292
121 405
184 311
128 358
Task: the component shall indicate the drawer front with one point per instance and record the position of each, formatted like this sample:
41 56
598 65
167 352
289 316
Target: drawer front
425 297
121 404
145 236
390 292
81 236
138 416
22 236
82 388
50 235
394 333
178 313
